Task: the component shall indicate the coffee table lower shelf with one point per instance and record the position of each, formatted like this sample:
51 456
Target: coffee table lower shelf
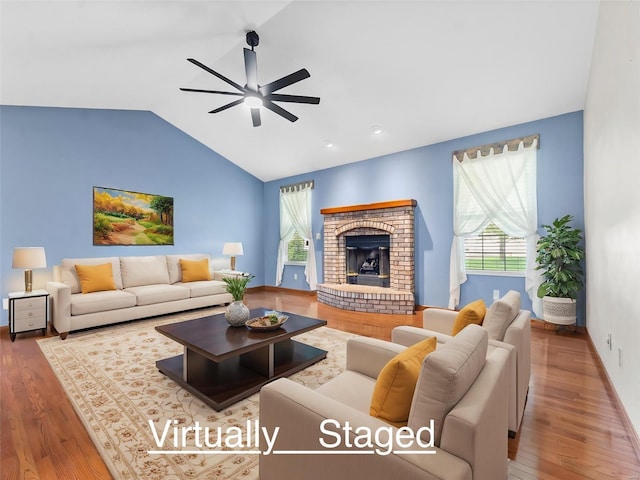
223 383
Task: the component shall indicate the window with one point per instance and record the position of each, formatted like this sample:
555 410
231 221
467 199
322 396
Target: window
495 251
494 185
297 249
296 245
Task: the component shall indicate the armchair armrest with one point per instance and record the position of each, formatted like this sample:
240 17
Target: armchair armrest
60 296
299 413
369 355
407 335
439 320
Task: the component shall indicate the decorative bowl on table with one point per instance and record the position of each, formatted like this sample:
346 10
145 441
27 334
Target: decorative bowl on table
269 321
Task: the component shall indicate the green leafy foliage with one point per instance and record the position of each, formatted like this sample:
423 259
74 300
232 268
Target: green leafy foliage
559 256
237 285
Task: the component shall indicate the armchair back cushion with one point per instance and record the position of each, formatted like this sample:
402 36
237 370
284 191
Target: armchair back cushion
393 392
500 315
473 312
446 375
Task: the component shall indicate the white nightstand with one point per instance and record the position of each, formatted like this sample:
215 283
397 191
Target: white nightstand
220 274
28 311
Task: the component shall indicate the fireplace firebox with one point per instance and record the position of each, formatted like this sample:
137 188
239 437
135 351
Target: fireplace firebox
368 260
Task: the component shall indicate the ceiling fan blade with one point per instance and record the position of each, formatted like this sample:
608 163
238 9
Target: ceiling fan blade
255 117
213 72
251 69
280 111
210 91
284 81
228 105
278 97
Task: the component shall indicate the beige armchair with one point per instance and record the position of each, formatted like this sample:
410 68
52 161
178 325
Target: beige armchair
461 388
508 327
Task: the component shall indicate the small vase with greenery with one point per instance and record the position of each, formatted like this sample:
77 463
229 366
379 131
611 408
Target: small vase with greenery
559 257
237 285
237 312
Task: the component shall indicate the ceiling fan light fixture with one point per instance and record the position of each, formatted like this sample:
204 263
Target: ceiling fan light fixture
253 95
253 101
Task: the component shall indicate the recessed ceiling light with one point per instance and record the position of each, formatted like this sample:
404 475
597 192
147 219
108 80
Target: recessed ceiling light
376 129
328 144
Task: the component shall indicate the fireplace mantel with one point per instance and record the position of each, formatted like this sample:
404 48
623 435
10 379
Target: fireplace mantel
369 206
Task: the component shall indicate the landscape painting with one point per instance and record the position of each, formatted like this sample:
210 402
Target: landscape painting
121 217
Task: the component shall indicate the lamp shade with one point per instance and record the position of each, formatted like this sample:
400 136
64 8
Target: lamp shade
29 257
232 248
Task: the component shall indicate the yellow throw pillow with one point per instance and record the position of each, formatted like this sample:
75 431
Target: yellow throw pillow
95 278
473 312
393 392
195 270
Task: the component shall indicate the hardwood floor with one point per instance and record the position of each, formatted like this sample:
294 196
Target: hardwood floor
571 427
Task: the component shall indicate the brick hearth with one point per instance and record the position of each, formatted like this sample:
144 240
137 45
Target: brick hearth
395 218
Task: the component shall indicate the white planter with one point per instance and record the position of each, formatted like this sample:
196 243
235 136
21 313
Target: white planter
561 311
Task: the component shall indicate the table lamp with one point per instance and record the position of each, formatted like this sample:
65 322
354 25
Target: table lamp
28 258
233 249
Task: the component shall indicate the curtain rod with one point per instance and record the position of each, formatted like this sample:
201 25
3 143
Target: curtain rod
484 150
297 186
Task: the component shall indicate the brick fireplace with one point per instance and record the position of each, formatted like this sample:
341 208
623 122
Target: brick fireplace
395 219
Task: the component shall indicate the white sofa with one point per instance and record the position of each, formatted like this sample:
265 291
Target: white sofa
461 387
509 328
145 286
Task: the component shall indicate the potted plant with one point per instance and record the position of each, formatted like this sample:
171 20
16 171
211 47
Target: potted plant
559 256
237 312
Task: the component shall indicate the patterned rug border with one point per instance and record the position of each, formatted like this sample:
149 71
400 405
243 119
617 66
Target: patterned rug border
97 396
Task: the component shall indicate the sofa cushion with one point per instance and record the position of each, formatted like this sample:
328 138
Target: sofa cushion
391 400
195 270
149 270
501 313
69 275
473 312
95 278
173 264
150 294
82 304
445 377
204 288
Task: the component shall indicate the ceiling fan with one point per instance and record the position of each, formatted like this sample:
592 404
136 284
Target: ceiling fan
254 95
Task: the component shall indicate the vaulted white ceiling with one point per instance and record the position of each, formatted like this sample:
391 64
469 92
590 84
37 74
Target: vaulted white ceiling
424 71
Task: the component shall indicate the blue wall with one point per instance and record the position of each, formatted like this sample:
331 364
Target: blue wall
425 174
50 158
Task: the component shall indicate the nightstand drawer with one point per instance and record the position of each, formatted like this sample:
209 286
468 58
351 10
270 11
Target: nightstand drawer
25 321
29 304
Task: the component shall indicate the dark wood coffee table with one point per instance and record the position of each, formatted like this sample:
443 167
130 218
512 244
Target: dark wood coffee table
222 365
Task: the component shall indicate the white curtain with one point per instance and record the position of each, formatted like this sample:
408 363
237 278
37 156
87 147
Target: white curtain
498 188
295 215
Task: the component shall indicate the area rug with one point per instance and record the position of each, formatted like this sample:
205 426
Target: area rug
110 377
